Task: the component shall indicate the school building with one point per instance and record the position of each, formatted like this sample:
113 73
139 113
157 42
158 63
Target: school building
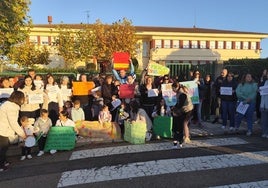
177 48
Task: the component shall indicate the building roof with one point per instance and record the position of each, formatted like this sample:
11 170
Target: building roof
159 29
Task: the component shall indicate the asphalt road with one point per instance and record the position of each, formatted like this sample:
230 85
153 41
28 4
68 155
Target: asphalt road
233 160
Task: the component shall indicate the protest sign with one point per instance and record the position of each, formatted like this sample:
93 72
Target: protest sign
126 91
35 98
263 90
155 69
168 94
121 60
242 108
226 90
193 90
60 138
6 92
82 88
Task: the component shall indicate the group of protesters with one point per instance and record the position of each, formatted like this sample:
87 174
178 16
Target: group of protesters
219 98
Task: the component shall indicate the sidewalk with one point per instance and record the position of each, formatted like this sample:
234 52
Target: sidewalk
208 129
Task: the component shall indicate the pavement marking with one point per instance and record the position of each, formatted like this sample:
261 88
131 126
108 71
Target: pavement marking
245 185
98 152
157 167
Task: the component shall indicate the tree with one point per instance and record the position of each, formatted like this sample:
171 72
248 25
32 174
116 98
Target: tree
118 37
27 54
13 23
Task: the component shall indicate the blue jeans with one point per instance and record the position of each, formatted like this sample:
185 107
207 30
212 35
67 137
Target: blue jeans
228 111
248 115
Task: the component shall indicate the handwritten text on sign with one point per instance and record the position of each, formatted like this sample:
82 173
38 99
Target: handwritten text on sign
60 138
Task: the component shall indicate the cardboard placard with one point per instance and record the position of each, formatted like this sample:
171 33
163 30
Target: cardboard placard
121 60
162 126
126 91
82 88
60 138
155 69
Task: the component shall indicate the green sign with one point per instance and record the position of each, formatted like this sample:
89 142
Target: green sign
60 138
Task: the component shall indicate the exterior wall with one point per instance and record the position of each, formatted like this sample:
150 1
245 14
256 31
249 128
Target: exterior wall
196 51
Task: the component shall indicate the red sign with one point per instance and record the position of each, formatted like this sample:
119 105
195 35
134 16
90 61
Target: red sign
126 91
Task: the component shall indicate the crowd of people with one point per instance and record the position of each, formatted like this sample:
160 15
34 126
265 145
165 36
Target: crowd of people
51 103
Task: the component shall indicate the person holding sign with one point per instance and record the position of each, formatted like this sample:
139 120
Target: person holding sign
246 93
121 58
228 101
64 121
34 97
182 113
9 114
30 140
55 101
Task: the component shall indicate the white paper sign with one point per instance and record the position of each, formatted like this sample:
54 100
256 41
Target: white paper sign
242 108
226 90
116 103
264 90
6 92
153 92
66 92
53 89
35 98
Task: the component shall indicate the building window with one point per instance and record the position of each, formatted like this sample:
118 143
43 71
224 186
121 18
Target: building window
253 45
203 44
212 44
176 44
145 49
186 44
194 44
237 45
44 40
245 45
166 43
220 44
33 39
228 45
158 43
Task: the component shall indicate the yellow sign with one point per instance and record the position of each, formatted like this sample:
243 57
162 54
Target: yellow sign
155 69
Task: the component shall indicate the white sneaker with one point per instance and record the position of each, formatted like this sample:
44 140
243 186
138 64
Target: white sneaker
40 153
180 145
223 127
53 151
29 157
22 158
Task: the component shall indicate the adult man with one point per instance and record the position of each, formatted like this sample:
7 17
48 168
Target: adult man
122 76
217 86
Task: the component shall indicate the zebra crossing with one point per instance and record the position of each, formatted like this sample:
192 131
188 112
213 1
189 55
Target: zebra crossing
162 166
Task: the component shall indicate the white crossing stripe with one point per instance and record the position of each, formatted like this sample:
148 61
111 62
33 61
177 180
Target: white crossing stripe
98 152
150 168
245 185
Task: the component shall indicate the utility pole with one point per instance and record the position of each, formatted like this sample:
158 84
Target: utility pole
87 12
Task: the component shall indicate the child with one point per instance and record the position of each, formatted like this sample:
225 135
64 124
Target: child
68 105
29 131
43 123
105 115
97 104
64 121
161 109
121 116
77 113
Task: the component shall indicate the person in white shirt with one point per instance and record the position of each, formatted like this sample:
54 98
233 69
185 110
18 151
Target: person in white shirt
77 113
55 101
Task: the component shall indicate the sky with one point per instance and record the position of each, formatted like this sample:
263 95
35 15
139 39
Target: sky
236 15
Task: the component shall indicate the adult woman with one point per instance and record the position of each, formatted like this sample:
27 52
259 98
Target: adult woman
9 114
228 101
182 113
55 102
148 102
138 114
30 109
246 93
